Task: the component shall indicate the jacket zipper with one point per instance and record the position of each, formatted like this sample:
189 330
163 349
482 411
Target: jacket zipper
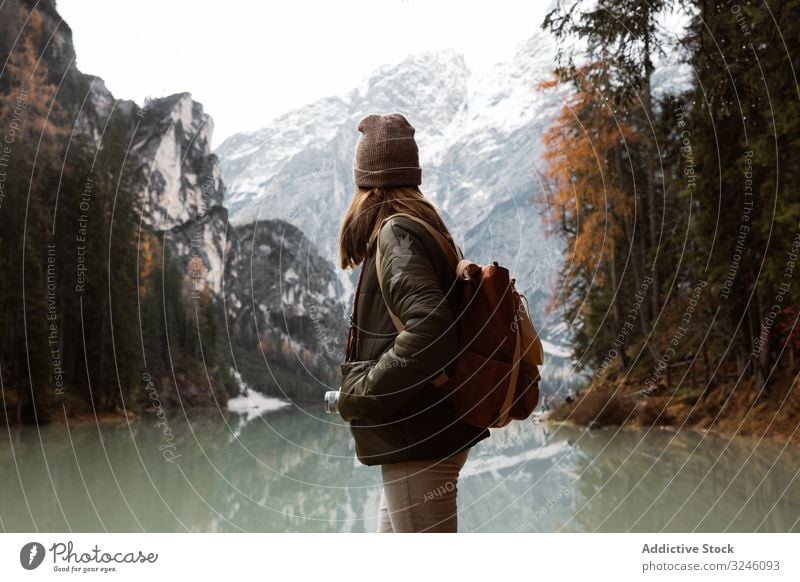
352 335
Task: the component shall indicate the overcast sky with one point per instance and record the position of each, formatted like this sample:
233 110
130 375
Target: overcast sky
250 61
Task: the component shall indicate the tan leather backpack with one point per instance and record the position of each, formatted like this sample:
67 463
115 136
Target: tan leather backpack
496 374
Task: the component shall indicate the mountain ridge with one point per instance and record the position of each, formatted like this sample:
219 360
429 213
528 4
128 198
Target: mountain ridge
479 138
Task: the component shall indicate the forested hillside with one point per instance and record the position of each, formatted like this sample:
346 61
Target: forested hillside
114 246
681 211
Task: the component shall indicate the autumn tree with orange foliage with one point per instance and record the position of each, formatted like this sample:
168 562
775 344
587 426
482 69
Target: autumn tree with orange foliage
592 196
680 210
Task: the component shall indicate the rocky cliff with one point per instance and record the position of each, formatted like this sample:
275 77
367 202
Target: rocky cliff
176 292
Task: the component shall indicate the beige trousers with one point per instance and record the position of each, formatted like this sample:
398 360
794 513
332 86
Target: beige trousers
420 496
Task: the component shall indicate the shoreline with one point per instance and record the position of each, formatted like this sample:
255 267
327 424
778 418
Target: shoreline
79 414
723 409
777 439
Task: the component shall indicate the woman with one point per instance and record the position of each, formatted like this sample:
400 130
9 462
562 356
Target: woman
398 417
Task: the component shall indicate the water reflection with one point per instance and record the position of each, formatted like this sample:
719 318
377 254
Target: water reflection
292 470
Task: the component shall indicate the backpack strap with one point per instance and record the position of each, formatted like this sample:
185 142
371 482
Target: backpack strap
454 257
512 384
353 330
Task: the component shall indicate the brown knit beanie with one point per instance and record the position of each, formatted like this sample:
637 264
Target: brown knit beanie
386 153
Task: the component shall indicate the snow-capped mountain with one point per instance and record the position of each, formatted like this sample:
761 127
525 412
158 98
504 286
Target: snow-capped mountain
480 145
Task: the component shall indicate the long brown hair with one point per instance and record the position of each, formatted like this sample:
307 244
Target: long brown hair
361 223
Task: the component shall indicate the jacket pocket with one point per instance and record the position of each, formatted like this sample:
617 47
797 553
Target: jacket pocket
351 387
355 366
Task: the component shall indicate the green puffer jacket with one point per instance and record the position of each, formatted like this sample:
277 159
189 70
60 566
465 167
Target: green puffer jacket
395 412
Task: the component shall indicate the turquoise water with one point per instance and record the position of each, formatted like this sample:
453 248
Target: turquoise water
294 470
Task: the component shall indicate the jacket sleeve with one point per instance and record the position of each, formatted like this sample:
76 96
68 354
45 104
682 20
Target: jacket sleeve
376 390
